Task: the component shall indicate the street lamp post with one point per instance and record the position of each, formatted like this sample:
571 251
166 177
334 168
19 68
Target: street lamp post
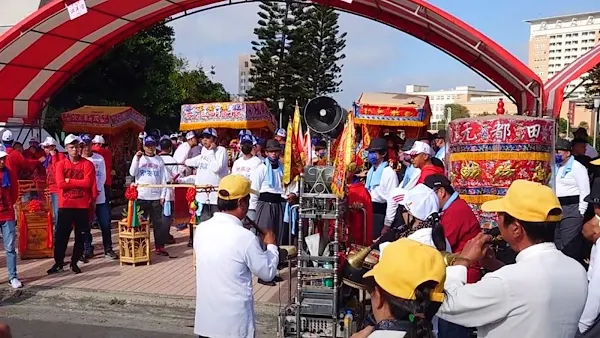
280 103
596 111
448 116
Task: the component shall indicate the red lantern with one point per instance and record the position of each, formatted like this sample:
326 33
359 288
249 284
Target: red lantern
131 193
34 206
190 195
500 110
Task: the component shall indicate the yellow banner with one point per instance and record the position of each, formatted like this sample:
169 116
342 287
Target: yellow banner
292 162
344 155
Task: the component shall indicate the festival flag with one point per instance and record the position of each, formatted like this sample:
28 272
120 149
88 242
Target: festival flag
344 155
292 162
308 148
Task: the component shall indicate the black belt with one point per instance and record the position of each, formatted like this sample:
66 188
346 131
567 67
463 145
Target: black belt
270 197
569 200
379 208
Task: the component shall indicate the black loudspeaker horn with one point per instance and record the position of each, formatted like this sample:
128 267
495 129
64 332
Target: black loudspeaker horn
323 115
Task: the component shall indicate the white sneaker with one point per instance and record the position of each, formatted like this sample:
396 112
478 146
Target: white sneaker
15 283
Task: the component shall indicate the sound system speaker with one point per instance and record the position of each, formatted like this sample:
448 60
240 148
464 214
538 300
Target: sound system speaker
323 115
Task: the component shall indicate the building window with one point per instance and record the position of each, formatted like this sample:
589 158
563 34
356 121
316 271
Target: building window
246 64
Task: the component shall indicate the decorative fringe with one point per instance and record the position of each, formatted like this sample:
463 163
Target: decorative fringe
49 230
479 199
227 124
500 156
391 123
23 233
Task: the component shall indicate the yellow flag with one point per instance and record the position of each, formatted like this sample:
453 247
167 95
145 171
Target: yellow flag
292 160
344 155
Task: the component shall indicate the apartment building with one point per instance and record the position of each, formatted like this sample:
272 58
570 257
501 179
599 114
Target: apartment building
244 66
555 42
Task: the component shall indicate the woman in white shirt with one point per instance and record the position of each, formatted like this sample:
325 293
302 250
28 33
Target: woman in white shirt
588 323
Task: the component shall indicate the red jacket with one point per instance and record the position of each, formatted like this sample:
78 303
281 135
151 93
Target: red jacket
17 162
357 193
107 154
81 190
35 154
428 170
460 225
51 172
8 195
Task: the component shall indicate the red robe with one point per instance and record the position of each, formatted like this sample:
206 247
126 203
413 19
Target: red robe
357 193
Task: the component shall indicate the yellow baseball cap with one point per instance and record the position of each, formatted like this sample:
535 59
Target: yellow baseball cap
526 201
595 162
234 187
407 264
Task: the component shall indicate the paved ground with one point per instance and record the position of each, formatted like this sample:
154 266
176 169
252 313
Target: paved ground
165 276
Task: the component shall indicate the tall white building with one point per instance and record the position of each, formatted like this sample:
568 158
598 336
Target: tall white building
244 65
472 98
555 42
13 11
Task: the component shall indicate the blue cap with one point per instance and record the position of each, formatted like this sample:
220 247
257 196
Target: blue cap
149 141
210 131
247 139
245 132
85 138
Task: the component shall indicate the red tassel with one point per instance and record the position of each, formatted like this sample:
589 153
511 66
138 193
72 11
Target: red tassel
23 233
50 231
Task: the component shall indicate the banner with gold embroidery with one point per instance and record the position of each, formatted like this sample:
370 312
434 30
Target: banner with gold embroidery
292 160
343 156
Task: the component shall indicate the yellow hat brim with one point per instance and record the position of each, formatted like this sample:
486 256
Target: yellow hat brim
595 162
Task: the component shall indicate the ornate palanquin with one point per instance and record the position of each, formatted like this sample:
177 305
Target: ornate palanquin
229 115
34 220
486 154
119 126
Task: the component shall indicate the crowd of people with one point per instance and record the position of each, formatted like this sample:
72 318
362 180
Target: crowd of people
439 276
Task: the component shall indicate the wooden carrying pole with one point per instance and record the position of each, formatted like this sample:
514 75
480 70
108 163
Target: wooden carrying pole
198 187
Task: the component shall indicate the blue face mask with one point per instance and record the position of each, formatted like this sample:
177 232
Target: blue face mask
372 158
558 159
322 154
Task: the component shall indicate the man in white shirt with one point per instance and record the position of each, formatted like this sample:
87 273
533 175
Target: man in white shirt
184 151
589 323
381 179
572 185
147 168
211 167
542 295
102 207
246 164
227 255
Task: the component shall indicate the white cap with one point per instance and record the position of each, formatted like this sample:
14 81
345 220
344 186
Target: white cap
3 154
210 131
165 137
98 139
34 139
142 135
190 135
421 202
244 132
280 132
173 135
420 148
72 139
7 136
49 141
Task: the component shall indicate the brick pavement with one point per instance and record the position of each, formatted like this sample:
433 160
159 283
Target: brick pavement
165 276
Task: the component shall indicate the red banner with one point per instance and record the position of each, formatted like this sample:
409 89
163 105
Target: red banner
571 113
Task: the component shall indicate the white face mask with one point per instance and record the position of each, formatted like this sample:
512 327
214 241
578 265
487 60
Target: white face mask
597 217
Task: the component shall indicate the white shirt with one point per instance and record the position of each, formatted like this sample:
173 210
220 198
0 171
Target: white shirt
387 334
540 296
172 170
389 181
149 170
245 167
590 151
576 182
182 153
394 198
592 304
211 167
98 162
227 255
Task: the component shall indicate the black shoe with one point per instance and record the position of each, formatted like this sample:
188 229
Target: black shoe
84 259
271 283
56 268
75 268
277 279
111 255
171 240
190 244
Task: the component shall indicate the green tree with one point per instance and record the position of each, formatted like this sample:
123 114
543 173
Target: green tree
562 125
592 85
194 86
584 125
324 45
458 111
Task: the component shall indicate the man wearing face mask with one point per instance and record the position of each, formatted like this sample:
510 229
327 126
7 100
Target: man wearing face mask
211 167
572 185
321 153
246 164
381 180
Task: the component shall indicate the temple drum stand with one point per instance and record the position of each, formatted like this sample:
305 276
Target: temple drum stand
134 243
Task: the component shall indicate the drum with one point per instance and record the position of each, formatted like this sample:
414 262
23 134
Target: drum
352 276
487 153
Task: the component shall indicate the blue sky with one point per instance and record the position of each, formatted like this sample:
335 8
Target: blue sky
378 58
